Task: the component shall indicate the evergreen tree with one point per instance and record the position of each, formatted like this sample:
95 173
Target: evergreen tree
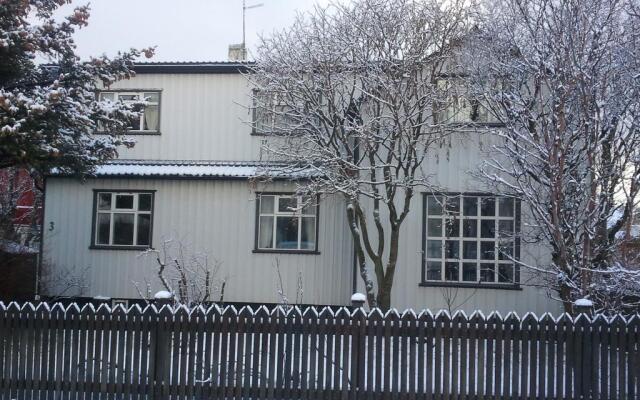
49 111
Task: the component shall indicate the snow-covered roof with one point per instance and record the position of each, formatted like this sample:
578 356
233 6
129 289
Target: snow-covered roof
199 169
634 230
11 247
614 218
634 233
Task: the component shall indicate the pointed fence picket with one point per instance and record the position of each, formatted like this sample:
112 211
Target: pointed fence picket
51 352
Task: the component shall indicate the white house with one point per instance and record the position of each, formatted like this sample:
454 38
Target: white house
190 181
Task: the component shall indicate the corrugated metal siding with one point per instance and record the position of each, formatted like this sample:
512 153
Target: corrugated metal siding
450 169
216 217
202 117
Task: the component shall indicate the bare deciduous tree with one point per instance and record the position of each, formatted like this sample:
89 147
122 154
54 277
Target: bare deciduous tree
188 276
285 302
349 92
63 282
564 78
454 299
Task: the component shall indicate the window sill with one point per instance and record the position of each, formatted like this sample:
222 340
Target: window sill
101 247
258 251
472 285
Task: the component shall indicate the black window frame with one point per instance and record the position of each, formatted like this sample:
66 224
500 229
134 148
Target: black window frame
256 248
515 285
96 246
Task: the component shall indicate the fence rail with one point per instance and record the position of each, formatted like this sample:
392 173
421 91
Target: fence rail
223 353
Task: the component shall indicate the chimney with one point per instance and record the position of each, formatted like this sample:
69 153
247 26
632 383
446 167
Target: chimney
237 52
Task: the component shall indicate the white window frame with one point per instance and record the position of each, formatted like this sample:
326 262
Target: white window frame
141 97
270 113
456 108
135 211
459 218
294 213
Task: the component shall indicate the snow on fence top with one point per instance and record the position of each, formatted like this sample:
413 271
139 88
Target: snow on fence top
200 169
348 313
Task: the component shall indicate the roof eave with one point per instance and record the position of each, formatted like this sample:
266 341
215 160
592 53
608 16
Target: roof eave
195 68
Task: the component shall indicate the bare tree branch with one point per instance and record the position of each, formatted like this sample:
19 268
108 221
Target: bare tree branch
348 92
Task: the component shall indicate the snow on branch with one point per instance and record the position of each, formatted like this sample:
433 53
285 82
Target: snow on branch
355 101
567 91
50 112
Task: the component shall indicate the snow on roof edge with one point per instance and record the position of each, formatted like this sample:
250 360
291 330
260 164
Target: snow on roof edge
198 169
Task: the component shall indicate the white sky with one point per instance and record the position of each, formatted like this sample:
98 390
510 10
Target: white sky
194 30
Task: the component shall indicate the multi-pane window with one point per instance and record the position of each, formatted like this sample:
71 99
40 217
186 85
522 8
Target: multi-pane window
123 219
470 239
273 114
149 119
286 222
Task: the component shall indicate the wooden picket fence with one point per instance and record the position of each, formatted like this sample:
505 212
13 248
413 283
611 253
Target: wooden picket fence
223 353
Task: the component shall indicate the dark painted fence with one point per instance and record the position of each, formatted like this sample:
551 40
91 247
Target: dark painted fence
72 353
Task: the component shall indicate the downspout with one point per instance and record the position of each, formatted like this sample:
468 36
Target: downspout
354 287
41 250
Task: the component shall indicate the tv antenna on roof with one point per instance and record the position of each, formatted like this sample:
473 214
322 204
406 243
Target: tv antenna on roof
245 7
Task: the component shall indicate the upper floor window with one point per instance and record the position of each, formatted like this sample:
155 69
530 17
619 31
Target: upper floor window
457 106
471 239
275 114
122 219
286 222
149 120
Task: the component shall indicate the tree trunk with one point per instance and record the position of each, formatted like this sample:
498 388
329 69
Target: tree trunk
360 255
364 274
384 299
561 287
565 296
386 284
